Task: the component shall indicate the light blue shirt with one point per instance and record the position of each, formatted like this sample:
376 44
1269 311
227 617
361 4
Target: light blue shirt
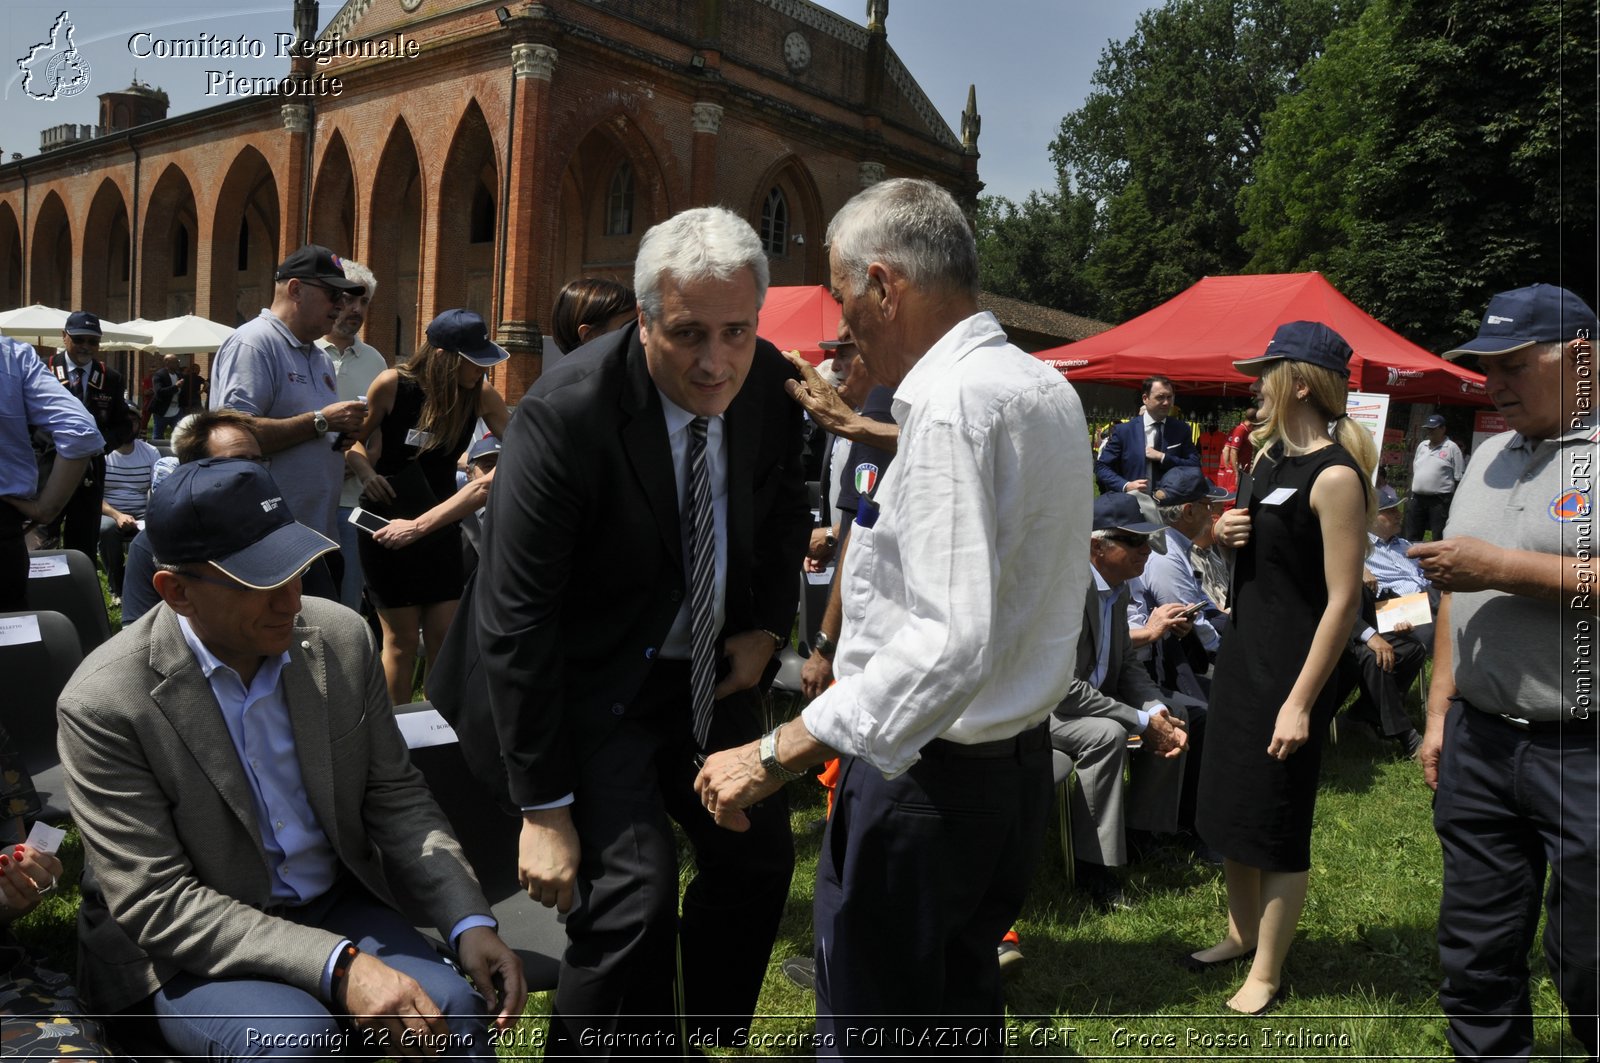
300 862
1395 571
31 396
1170 577
1102 653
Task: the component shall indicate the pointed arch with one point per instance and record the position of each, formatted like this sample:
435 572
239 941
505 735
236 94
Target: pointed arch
244 238
50 279
800 259
464 263
169 248
108 276
333 199
394 249
585 246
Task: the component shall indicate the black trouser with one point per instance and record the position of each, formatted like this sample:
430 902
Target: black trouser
1382 701
13 561
920 876
625 929
78 525
1512 803
1427 513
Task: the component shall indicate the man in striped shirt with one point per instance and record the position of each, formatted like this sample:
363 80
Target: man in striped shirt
130 475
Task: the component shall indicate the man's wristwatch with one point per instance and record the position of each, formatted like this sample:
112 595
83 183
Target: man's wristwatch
821 643
319 422
769 758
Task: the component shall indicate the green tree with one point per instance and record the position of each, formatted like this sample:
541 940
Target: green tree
1036 250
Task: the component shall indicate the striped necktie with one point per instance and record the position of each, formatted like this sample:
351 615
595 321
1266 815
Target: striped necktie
702 584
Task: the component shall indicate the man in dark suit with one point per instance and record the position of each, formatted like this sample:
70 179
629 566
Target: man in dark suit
648 523
1139 452
100 389
251 814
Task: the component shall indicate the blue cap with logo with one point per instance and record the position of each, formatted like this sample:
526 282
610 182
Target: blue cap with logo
1539 313
1121 511
1388 497
482 448
1186 484
1434 420
460 331
1310 342
313 262
228 511
82 323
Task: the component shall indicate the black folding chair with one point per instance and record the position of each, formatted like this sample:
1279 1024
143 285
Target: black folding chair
75 593
39 651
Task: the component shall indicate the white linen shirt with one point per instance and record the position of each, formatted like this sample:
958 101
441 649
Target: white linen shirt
962 604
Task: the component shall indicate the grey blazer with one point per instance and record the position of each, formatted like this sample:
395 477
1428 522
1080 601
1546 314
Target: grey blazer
1127 685
169 825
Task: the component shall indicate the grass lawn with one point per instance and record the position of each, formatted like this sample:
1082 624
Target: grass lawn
1363 972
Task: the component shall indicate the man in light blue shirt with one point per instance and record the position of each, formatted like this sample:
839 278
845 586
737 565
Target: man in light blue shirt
251 814
30 398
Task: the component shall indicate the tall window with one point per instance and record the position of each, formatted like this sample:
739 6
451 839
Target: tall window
180 251
481 230
619 202
775 223
244 245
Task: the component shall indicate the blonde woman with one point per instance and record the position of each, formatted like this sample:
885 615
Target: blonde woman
1300 543
420 418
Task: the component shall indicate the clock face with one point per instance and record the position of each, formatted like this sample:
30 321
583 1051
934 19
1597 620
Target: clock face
797 51
410 5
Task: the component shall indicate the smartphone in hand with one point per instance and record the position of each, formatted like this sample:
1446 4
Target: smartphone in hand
367 522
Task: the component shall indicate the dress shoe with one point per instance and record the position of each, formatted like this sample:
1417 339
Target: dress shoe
801 970
1411 742
1190 962
1102 885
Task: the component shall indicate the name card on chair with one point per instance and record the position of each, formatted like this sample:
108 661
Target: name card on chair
48 566
424 729
19 630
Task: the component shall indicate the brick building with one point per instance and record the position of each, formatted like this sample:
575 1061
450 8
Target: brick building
478 155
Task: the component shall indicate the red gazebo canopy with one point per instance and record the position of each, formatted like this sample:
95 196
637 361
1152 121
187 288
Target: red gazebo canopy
1195 337
798 318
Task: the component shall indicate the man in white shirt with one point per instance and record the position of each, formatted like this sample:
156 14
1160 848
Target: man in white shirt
1435 471
963 596
355 366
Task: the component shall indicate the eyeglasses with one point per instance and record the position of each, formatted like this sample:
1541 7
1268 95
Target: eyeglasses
85 341
338 295
1129 539
231 584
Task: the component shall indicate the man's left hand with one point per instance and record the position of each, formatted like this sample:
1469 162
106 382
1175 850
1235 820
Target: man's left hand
1165 735
1459 563
748 653
486 958
731 781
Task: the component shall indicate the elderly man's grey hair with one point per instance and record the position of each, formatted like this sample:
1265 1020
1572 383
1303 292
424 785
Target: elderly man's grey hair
355 271
912 226
699 244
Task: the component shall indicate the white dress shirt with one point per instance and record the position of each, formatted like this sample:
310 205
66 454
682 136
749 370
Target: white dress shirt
962 604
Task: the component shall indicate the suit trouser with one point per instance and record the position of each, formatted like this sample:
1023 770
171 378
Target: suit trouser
919 877
113 552
1510 804
1103 811
1383 693
13 561
247 1018
1426 513
78 524
615 996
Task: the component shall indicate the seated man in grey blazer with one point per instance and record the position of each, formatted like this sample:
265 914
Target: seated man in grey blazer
1111 698
250 813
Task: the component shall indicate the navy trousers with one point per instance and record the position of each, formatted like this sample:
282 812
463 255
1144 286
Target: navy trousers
919 877
1511 804
249 1018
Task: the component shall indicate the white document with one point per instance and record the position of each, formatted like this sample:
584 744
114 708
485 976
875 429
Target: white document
820 579
48 566
45 838
424 729
1279 497
1408 607
20 630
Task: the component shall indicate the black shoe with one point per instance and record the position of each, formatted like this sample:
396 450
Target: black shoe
1102 885
1411 742
1190 962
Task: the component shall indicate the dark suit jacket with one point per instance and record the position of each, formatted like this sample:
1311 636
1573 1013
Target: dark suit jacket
584 544
1122 458
104 399
169 824
1127 685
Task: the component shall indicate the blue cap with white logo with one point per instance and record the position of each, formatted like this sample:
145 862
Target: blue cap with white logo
228 511
1539 313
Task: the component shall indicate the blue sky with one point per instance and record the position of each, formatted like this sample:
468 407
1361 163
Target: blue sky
1030 59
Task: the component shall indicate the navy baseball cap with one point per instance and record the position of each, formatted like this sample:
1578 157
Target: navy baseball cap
463 332
1310 342
313 262
1120 511
1388 497
482 448
1186 484
1539 313
228 511
1434 421
82 323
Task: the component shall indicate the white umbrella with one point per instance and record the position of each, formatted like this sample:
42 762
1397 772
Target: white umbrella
43 325
134 326
187 334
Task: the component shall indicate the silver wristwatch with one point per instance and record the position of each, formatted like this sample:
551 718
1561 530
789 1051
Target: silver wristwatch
319 422
769 758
